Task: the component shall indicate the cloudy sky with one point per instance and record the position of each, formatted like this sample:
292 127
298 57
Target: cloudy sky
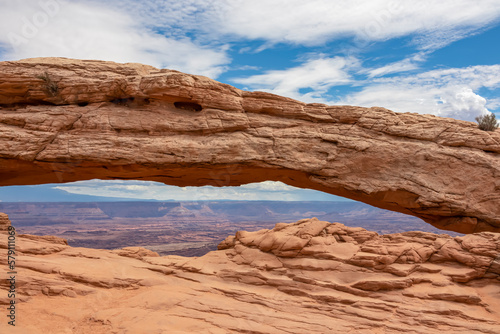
119 190
426 56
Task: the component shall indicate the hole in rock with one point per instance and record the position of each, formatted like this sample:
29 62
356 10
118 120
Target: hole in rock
123 101
191 106
82 104
188 221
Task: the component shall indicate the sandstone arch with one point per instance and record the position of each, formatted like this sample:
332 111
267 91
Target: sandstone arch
445 171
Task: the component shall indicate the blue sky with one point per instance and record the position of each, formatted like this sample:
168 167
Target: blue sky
427 56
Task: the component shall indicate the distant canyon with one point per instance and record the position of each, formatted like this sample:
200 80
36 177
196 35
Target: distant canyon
189 228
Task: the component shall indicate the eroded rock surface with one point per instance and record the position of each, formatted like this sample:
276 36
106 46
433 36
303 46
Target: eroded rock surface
307 277
64 120
4 222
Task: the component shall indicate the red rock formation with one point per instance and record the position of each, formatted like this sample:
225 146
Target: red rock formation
307 277
65 120
4 222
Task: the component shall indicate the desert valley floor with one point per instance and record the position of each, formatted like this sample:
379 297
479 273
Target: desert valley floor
189 228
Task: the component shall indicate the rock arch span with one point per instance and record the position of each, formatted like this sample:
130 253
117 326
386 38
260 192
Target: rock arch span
183 129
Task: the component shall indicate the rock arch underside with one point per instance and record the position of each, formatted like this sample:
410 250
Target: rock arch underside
65 120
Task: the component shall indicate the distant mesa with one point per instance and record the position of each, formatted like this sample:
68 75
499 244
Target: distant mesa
188 130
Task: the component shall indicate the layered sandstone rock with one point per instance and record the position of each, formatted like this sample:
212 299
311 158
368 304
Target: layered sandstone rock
65 120
4 222
307 277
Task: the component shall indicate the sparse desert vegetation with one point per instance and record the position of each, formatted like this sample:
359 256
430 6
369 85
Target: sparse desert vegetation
487 122
50 86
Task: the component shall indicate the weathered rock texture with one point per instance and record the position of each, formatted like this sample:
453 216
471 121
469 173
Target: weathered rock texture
4 222
65 120
307 277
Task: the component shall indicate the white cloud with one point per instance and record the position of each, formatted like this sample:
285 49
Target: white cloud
93 30
407 64
455 102
493 104
268 190
314 22
464 103
247 68
445 92
268 186
319 74
154 32
187 35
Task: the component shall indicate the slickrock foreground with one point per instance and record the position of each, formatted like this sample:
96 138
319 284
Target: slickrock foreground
64 120
307 277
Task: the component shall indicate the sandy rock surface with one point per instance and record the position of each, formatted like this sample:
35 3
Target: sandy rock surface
306 277
64 120
4 222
